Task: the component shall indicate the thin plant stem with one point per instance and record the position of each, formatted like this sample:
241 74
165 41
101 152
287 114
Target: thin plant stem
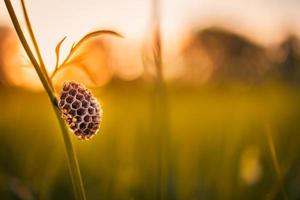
275 159
163 140
35 44
90 35
71 155
157 46
159 91
72 159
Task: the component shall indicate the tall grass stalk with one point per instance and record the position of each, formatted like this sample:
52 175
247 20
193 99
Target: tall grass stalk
274 158
161 107
47 84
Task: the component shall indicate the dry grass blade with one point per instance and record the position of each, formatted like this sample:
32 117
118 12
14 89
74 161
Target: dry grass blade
57 50
274 158
97 33
72 47
87 37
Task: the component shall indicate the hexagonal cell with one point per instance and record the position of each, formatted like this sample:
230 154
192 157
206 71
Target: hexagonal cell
66 87
73 92
87 131
79 97
78 132
76 104
91 111
63 95
61 103
95 126
82 125
67 107
90 126
81 111
94 104
74 126
72 112
81 90
95 118
85 104
69 99
73 84
87 118
78 119
87 97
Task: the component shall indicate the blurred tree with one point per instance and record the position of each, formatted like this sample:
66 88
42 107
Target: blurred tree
289 66
231 56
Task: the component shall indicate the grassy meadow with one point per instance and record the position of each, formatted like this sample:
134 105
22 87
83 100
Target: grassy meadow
231 141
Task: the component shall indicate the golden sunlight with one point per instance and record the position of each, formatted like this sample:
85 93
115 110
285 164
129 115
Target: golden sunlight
52 20
55 19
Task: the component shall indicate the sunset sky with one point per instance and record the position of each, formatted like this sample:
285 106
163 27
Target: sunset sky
263 20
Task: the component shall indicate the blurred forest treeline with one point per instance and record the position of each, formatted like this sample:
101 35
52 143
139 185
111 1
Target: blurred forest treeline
210 55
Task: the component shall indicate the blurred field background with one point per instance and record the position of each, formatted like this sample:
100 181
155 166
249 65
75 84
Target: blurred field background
231 118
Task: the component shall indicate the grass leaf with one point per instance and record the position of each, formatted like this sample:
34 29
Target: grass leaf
87 37
57 50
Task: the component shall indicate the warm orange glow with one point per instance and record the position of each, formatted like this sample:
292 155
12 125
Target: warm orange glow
52 20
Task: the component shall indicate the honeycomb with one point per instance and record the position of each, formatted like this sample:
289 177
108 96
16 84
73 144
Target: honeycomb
80 110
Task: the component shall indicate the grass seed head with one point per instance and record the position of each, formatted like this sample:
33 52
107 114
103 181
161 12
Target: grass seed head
80 109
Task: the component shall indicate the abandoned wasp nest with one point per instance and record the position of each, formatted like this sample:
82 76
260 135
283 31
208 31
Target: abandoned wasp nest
80 109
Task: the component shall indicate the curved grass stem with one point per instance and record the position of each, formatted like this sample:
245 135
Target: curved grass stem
86 37
47 84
